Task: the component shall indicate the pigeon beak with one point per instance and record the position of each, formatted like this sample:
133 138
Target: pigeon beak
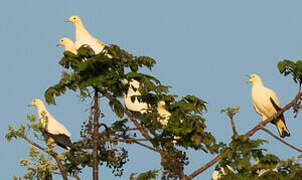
248 81
57 45
67 21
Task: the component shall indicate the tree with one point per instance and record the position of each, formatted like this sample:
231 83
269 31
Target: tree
99 77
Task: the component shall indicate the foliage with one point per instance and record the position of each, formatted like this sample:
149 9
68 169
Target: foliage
38 166
104 74
287 67
144 176
231 112
41 164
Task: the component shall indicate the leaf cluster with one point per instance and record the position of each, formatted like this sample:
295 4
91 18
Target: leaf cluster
248 161
287 67
144 176
38 166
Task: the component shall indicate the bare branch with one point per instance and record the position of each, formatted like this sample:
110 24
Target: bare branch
129 140
146 146
249 133
282 141
233 126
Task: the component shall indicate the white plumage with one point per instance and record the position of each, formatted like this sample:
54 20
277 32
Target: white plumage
261 172
53 128
216 175
164 115
133 91
266 103
68 44
83 37
142 107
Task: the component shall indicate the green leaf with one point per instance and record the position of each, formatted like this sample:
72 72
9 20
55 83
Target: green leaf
117 107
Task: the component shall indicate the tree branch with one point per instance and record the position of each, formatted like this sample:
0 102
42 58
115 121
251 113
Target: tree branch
233 126
249 133
53 154
279 139
129 140
146 146
95 135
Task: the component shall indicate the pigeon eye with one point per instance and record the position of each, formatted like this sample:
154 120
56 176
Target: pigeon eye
74 18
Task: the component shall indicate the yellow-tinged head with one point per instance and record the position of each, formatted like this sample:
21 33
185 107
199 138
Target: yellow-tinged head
161 103
254 79
74 19
36 102
134 83
126 82
65 42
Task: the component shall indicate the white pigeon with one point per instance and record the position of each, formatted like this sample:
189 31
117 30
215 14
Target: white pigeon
266 103
216 175
83 37
133 91
68 44
142 107
164 115
53 128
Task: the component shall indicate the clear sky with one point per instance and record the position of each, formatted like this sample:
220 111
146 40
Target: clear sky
202 47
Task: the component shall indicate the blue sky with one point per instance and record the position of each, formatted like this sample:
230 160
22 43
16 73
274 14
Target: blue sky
202 47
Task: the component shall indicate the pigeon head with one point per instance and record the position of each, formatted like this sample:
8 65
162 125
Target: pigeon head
36 102
254 79
133 83
75 19
64 42
126 82
161 103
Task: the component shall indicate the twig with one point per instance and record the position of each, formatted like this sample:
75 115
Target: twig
53 154
146 146
130 140
233 126
279 139
249 133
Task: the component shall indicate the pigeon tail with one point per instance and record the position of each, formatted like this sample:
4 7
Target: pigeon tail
280 123
282 129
